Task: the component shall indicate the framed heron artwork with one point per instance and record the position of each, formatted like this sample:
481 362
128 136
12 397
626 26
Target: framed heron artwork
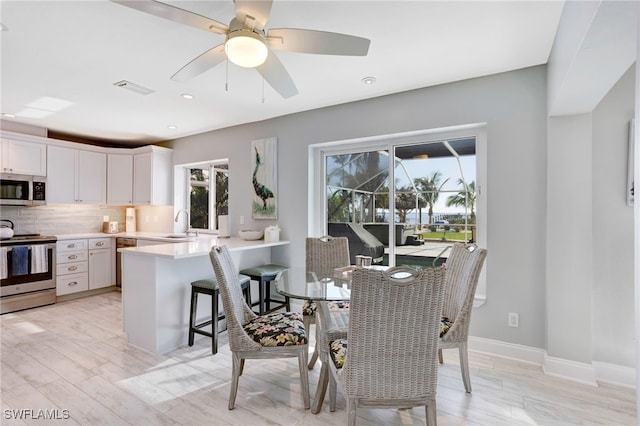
264 156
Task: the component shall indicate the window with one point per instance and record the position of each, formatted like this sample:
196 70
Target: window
207 194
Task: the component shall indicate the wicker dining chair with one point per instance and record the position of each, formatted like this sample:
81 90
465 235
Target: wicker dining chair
463 270
274 335
390 356
323 255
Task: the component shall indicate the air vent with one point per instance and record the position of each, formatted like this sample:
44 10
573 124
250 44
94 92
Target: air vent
133 87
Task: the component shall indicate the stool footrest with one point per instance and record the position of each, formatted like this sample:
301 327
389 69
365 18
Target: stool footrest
210 287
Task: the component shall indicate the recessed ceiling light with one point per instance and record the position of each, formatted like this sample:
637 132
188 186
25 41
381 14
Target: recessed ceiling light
187 96
172 127
369 80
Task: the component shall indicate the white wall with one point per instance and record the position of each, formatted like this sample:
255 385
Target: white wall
513 106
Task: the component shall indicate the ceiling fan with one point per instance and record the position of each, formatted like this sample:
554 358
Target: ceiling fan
247 43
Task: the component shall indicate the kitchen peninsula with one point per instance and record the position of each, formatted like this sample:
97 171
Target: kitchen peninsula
156 286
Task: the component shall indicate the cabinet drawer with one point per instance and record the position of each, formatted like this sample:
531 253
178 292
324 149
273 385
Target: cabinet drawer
71 268
99 243
71 245
72 283
71 256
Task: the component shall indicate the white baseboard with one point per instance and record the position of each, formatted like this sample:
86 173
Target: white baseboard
572 370
615 374
507 350
589 374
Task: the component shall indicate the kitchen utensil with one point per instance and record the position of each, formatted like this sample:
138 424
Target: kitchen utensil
6 231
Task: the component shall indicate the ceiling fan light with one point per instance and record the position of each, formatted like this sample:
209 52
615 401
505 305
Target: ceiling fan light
245 48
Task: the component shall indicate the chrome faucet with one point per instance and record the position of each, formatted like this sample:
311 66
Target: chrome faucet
189 231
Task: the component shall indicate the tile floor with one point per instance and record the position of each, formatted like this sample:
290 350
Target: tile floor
71 361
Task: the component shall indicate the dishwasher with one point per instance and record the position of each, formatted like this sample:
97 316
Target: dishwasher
122 243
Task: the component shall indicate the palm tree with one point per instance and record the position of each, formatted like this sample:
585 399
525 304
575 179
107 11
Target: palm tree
430 188
406 199
467 195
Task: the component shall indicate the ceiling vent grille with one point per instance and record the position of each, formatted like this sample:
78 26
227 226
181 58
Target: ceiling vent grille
133 87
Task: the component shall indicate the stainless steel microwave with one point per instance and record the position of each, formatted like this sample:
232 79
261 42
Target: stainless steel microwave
22 190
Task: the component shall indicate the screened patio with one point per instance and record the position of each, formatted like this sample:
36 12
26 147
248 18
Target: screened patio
424 188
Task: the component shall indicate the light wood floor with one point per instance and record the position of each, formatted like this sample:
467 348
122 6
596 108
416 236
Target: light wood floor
73 356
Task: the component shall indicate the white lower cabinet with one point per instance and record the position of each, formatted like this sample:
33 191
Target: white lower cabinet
72 283
71 267
84 264
100 263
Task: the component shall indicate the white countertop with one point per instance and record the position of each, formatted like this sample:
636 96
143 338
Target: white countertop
201 247
153 236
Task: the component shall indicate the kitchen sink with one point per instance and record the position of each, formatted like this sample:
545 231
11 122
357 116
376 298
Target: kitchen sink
180 237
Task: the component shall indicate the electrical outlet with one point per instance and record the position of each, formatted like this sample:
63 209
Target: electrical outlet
241 220
513 320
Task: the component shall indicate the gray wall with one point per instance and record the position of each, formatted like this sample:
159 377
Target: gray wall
514 107
589 280
553 187
613 292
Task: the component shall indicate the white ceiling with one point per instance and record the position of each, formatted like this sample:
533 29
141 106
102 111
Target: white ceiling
77 50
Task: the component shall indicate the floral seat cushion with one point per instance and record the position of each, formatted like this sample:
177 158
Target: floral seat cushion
277 329
309 307
445 325
338 352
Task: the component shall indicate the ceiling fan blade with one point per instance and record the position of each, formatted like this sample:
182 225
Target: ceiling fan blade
202 63
253 14
277 76
175 14
320 42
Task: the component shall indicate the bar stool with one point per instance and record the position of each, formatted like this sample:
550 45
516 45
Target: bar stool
210 287
265 274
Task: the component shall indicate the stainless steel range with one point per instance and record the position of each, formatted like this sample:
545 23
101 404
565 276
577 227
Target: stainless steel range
27 272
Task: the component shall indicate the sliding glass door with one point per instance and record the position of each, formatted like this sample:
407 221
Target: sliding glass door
407 207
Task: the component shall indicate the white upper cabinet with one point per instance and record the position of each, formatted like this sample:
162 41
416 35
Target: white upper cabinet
76 176
142 177
61 177
119 179
152 177
24 158
92 177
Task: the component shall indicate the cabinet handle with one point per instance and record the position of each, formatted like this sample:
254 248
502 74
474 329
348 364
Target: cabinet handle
100 243
72 268
71 245
72 283
73 256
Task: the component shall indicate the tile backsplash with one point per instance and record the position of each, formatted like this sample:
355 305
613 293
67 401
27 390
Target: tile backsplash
62 218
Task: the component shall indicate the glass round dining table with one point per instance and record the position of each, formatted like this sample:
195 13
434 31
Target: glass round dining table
300 283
